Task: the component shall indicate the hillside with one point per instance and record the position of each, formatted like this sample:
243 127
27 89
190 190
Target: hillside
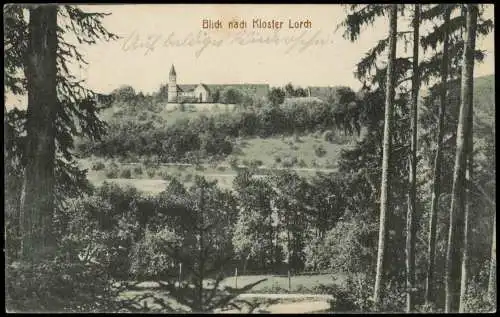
306 153
484 97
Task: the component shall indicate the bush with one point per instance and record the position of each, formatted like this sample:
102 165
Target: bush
97 166
112 171
289 161
277 159
143 116
255 163
329 136
319 151
330 164
138 170
302 163
163 174
151 172
126 173
314 163
353 297
221 168
199 167
59 286
188 178
233 162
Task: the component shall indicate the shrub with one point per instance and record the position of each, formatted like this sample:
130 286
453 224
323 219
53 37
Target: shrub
138 170
112 171
314 163
164 175
221 168
233 162
289 161
126 173
277 159
97 166
143 116
150 257
330 164
58 286
199 167
151 172
329 136
188 178
302 163
354 296
319 151
255 163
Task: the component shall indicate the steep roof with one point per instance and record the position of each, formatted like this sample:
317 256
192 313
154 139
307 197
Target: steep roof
172 70
258 90
186 87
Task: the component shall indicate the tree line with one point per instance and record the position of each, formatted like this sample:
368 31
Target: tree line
457 27
205 136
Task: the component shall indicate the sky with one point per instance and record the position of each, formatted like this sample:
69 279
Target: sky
153 37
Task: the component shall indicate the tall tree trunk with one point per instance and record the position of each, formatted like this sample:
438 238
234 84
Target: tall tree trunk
436 186
492 281
199 304
457 210
384 196
412 195
37 198
469 176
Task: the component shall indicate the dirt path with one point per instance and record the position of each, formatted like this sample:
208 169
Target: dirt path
301 307
287 296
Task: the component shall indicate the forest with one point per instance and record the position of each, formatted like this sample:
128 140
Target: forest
406 222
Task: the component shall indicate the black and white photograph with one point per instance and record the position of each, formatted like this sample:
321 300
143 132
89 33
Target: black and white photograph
249 158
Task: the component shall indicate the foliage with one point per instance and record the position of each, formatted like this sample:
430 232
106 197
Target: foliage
254 231
231 96
212 136
59 286
276 96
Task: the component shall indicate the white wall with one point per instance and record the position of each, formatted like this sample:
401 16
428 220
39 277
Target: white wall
201 90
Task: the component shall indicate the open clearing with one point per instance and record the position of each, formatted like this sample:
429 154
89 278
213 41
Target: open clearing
261 298
270 153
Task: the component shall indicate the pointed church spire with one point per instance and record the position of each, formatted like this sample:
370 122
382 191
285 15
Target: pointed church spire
172 71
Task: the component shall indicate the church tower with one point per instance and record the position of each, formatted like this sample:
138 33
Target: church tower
172 85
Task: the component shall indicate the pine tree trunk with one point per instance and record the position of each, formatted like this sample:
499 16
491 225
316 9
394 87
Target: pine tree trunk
492 281
457 210
37 198
412 195
384 199
199 304
436 186
468 197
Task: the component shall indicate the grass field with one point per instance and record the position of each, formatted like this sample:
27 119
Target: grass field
273 283
305 150
170 113
268 296
299 152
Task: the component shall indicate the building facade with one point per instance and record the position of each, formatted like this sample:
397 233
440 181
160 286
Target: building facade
201 93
